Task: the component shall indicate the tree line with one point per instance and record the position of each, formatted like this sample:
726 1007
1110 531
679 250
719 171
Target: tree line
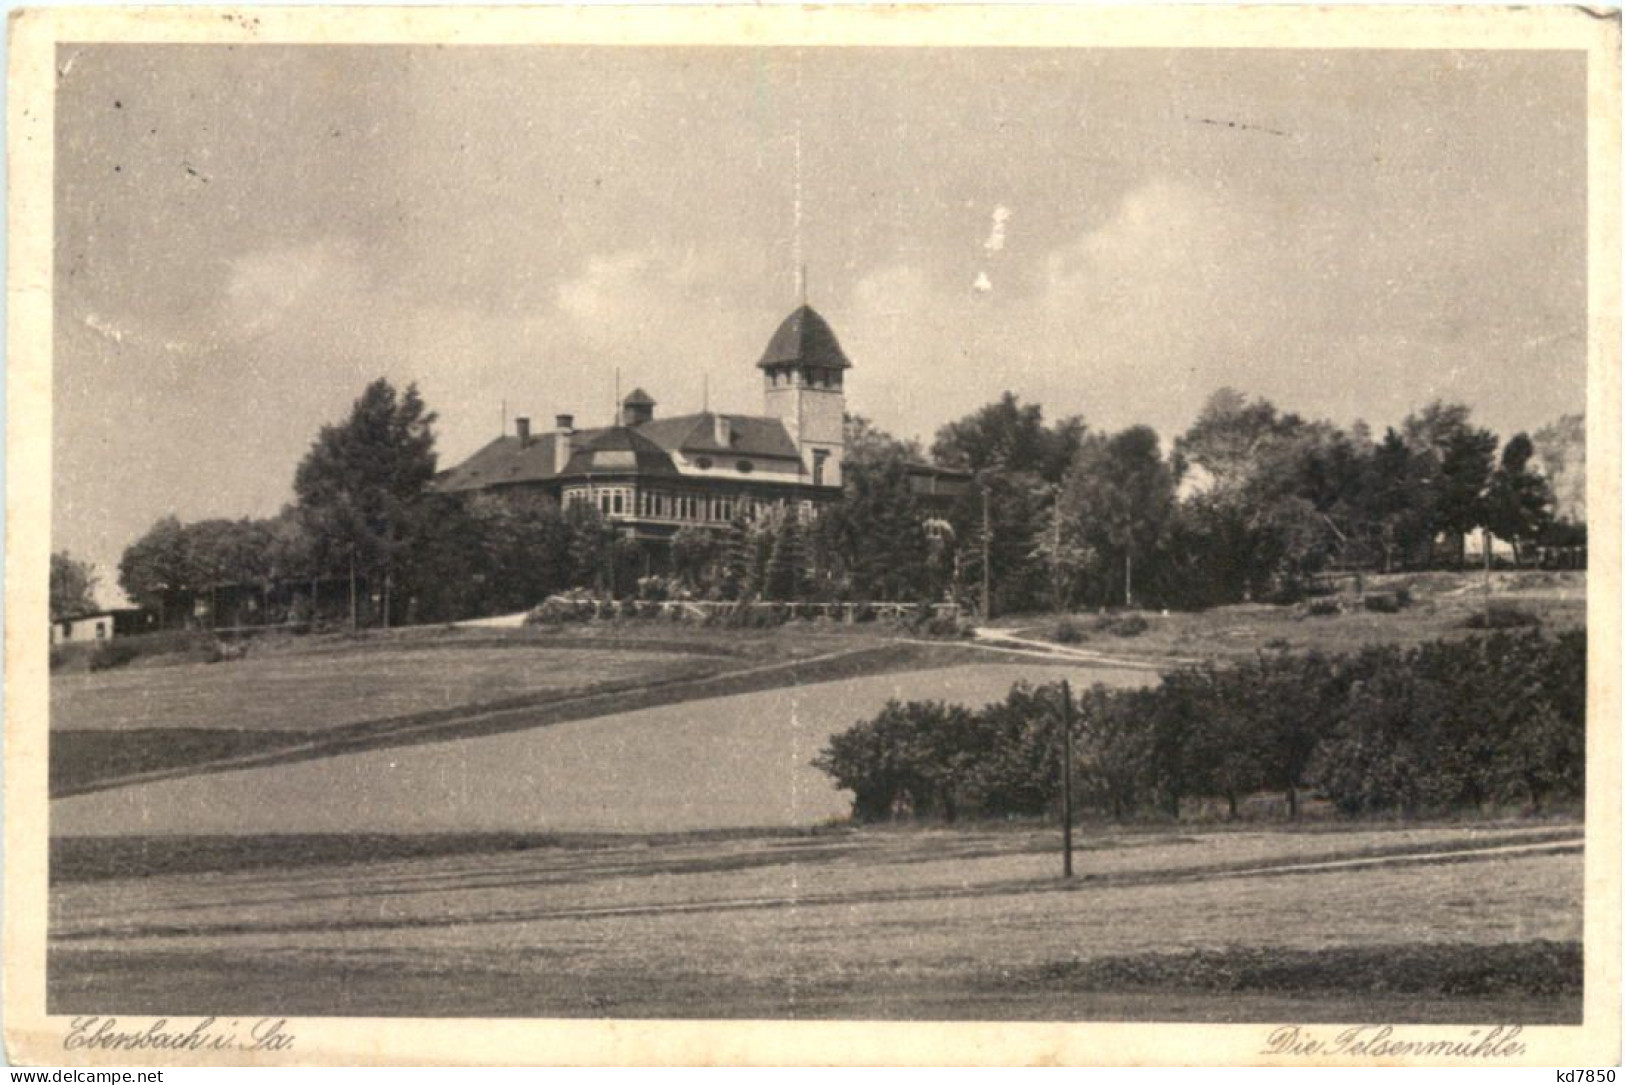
1248 503
1481 723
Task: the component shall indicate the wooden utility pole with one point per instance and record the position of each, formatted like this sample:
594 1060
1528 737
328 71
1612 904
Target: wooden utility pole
987 554
1066 779
353 614
1055 554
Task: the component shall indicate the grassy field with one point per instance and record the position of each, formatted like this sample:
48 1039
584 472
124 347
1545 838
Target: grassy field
620 819
1454 923
1441 605
295 698
726 762
318 690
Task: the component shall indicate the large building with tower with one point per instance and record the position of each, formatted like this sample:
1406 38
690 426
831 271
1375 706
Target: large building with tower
650 476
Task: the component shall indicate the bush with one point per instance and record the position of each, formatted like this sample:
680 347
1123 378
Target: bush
1322 608
1452 725
219 651
946 625
1122 625
1067 632
1382 602
1501 616
112 653
1285 594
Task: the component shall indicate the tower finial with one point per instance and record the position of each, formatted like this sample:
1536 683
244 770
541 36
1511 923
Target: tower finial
804 285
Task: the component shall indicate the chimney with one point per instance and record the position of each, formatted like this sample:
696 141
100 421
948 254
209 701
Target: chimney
523 426
724 431
564 426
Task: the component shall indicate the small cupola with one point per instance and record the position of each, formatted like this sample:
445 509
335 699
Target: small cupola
637 408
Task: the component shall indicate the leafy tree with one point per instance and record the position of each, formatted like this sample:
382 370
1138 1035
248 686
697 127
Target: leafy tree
867 443
1291 704
451 569
1015 755
73 586
155 571
1114 751
1005 516
919 755
738 554
874 543
1276 496
629 562
786 569
362 480
694 553
1561 450
523 550
590 547
762 533
1399 501
1231 438
1117 499
1518 504
1008 436
1460 459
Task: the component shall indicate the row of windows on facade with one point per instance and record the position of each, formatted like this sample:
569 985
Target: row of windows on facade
658 505
745 467
810 378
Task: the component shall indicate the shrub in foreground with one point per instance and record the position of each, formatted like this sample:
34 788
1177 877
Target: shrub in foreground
1486 722
112 653
1501 616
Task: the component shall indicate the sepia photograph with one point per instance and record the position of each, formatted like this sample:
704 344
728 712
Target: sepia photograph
818 529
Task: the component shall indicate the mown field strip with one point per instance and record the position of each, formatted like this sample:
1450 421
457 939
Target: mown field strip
741 761
1135 879
452 724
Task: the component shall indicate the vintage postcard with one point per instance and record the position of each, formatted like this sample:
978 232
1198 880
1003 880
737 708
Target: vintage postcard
778 535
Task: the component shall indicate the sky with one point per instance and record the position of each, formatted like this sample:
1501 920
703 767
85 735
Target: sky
246 236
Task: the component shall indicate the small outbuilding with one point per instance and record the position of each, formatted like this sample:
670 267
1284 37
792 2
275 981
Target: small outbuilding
100 626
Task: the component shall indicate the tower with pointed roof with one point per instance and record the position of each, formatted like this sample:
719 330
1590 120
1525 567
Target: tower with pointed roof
803 370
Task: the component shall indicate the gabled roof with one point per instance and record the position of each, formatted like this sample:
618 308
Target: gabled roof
805 338
502 462
748 435
619 450
644 450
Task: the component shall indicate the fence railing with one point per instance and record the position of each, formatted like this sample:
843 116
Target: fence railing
701 610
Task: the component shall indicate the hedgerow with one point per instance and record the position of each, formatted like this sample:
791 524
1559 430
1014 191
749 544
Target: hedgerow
1484 722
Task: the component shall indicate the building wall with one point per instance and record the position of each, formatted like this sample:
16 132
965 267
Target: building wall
812 405
83 630
725 466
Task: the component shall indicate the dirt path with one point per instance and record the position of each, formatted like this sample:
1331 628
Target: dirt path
1002 640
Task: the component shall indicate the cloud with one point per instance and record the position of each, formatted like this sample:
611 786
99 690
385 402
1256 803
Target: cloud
996 235
1163 284
267 289
104 328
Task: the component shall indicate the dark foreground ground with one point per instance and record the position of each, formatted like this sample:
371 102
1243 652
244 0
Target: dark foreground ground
1459 924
